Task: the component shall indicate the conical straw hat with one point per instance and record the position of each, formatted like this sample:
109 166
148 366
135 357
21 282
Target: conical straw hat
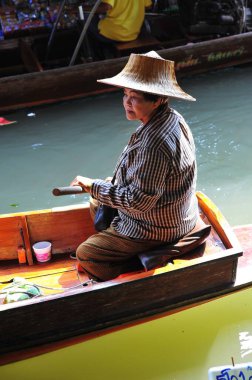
149 73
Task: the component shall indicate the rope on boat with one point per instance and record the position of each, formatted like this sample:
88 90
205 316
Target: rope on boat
21 292
85 283
21 289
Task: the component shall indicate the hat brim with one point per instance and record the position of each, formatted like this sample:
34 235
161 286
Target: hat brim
149 73
125 83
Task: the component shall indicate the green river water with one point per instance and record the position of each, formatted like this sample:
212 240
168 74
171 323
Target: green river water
50 145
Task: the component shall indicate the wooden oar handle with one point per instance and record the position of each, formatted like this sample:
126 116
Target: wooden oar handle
67 190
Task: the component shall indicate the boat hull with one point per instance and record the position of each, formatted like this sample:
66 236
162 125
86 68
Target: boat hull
81 80
102 307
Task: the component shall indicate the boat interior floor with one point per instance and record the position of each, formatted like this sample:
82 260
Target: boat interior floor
61 274
54 276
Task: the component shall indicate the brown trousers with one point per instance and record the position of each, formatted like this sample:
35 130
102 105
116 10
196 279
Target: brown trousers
107 254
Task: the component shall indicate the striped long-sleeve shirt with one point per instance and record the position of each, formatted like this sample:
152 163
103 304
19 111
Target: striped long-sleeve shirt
154 190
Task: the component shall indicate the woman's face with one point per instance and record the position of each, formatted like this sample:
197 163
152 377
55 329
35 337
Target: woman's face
137 107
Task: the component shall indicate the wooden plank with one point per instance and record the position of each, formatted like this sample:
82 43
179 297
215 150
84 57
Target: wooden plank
30 60
218 221
244 270
9 269
27 243
57 282
10 237
64 229
9 44
139 43
54 282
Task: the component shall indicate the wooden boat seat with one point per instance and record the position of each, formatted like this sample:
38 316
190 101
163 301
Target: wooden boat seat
139 44
188 244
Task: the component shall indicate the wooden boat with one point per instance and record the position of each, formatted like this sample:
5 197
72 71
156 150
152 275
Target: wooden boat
68 309
77 81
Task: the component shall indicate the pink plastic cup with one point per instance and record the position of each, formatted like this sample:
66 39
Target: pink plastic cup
42 251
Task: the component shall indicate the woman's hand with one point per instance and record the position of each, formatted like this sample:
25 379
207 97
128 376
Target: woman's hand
84 182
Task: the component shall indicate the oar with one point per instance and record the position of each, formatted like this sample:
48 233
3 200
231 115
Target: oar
67 190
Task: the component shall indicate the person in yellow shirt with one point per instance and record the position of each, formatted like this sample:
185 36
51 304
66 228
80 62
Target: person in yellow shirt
124 19
121 22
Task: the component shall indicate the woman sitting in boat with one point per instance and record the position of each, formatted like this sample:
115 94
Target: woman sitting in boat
154 179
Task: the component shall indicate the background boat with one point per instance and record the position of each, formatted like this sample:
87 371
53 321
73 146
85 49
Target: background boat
81 80
205 45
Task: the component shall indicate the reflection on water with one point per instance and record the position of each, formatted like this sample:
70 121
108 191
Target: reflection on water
49 146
